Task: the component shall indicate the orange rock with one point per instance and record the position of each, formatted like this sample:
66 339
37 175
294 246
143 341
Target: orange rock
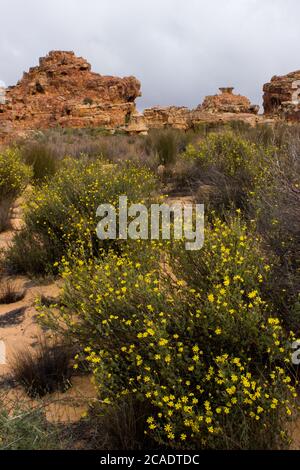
282 97
62 90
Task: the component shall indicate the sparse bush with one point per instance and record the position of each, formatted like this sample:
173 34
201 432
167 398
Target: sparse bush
9 294
61 214
27 429
43 160
5 214
88 101
166 143
120 426
276 208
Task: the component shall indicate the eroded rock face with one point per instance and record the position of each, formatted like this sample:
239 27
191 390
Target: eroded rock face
282 97
62 90
228 102
172 116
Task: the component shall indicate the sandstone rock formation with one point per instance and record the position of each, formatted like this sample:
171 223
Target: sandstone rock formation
228 102
282 97
64 91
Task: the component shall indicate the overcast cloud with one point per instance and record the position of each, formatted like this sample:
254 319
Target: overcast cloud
181 50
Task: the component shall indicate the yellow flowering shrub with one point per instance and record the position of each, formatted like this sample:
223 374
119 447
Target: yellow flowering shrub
61 214
194 342
14 174
14 177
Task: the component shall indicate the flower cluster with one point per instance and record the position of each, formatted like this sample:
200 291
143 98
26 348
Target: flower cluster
194 342
61 214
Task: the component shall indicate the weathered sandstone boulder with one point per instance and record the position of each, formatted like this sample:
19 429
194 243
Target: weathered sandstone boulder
282 97
62 90
228 102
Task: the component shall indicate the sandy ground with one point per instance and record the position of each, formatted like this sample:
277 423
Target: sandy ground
19 330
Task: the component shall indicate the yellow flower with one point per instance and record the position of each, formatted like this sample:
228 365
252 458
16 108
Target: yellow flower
211 298
253 294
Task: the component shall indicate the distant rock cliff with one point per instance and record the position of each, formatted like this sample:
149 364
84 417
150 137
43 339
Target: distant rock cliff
63 91
228 102
282 97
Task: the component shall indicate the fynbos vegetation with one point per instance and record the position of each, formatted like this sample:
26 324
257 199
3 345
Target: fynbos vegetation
187 349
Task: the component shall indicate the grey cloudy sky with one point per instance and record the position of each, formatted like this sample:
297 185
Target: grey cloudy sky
181 50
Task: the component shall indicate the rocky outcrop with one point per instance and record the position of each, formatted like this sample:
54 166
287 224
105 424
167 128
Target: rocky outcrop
228 102
282 97
172 116
218 108
63 91
2 94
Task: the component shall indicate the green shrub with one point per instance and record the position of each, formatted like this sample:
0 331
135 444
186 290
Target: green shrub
276 208
42 158
195 343
61 214
14 177
27 429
